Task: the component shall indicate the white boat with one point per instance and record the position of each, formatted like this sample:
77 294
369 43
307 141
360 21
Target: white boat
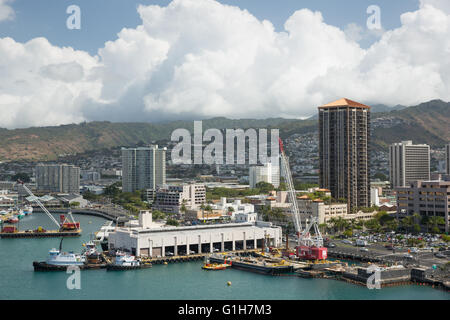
27 210
57 258
3 212
125 260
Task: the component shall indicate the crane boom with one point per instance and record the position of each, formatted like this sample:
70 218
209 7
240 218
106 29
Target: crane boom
309 247
36 199
291 192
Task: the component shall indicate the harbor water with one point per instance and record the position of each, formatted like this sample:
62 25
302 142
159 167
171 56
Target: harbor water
174 281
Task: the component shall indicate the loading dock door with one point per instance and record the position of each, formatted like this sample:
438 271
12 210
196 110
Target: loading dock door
157 252
145 252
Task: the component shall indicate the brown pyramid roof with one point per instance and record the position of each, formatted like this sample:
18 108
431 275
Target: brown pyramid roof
344 102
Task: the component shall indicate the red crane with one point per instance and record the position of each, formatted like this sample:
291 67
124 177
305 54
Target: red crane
309 246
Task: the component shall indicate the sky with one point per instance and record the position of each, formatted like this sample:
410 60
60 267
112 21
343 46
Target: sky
157 60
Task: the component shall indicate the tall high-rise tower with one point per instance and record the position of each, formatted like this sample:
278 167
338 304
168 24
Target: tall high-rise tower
408 163
143 168
344 136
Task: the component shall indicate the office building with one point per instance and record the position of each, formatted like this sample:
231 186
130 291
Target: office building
264 173
344 137
143 168
171 198
58 178
148 239
408 163
428 198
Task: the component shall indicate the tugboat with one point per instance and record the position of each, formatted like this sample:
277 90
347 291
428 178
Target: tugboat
215 266
124 261
58 260
91 253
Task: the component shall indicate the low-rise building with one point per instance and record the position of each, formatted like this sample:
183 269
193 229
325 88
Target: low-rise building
429 198
151 240
171 198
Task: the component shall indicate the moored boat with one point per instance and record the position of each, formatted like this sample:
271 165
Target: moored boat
123 261
215 266
13 219
27 210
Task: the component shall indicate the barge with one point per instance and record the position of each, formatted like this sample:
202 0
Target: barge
253 265
39 234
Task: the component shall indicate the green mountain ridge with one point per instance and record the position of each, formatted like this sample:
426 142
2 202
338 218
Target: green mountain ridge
425 123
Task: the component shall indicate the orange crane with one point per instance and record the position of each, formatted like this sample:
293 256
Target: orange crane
65 224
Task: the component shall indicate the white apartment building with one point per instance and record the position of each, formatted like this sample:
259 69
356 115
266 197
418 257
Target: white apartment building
264 173
408 163
171 198
143 168
58 178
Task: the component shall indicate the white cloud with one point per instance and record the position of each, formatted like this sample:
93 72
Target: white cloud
200 58
6 11
443 5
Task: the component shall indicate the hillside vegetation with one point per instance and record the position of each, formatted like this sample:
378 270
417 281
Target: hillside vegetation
426 123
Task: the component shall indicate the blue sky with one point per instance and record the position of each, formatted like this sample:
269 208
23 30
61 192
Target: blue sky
103 19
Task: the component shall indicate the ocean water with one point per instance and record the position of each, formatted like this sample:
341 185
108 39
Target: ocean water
174 281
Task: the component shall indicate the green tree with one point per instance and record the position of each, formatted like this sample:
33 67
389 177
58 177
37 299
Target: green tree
172 222
22 176
74 204
265 187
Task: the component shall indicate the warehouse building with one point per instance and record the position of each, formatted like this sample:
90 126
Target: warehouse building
151 239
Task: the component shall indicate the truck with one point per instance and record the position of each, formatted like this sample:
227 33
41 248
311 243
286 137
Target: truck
361 243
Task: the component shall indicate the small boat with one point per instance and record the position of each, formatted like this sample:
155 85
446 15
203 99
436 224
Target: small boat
20 214
215 266
123 261
27 210
13 220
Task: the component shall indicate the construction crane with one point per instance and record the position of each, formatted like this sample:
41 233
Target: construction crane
308 246
64 224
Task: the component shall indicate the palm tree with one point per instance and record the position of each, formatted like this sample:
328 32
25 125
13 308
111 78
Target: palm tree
209 209
323 227
230 209
202 206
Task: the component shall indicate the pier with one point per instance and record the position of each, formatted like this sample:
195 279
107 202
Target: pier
190 257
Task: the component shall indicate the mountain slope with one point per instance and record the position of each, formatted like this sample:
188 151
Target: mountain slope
425 123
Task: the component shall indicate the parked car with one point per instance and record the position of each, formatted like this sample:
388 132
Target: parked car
364 249
330 245
440 255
